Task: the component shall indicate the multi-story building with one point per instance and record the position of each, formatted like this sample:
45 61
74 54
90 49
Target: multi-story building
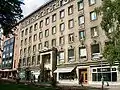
10 55
65 38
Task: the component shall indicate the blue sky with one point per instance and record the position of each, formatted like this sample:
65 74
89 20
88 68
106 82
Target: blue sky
31 5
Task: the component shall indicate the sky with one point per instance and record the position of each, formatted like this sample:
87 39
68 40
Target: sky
31 5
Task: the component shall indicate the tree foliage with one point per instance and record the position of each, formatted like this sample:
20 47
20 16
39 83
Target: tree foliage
10 13
110 12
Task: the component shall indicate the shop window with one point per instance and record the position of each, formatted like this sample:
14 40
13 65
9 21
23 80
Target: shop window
71 55
80 5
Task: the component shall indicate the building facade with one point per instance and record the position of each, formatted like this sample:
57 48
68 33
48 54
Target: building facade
64 38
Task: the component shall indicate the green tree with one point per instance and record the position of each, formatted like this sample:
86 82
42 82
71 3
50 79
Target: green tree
10 13
110 12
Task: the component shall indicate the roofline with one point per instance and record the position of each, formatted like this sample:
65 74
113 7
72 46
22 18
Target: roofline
35 10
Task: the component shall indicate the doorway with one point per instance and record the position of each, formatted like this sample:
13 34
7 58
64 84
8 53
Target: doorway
83 73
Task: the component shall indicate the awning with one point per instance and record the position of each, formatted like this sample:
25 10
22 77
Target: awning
64 70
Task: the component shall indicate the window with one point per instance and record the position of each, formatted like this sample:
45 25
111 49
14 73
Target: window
30 39
62 27
53 42
40 35
25 41
70 10
62 14
46 44
35 27
41 23
47 21
54 6
81 35
48 10
38 59
81 20
95 50
46 33
61 56
28 61
53 17
61 40
63 2
40 46
82 52
26 31
71 23
21 42
91 2
54 30
71 55
34 48
29 49
22 33
71 37
20 52
93 15
33 60
80 5
24 62
30 31
107 73
41 14
35 37
94 32
25 51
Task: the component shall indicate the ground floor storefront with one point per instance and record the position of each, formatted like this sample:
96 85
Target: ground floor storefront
91 74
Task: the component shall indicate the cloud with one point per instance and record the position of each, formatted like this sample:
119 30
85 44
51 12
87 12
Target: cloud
31 5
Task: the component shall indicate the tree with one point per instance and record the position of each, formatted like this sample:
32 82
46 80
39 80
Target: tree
110 12
10 13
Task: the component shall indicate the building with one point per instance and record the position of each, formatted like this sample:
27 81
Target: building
64 38
10 56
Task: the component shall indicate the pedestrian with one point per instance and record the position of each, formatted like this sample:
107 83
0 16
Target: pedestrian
81 80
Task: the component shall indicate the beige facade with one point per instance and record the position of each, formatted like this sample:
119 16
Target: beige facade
73 28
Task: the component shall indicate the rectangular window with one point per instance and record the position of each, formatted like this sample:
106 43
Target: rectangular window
62 14
46 44
31 27
91 2
34 48
35 37
21 43
70 10
29 49
33 60
62 27
41 23
71 38
82 52
47 21
93 15
54 30
22 33
41 14
53 42
61 56
40 35
30 39
53 17
25 41
71 55
71 23
25 51
80 5
81 20
40 46
81 35
94 31
61 40
46 33
26 31
35 27
63 2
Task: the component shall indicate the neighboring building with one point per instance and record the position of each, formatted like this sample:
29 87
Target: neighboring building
10 56
64 38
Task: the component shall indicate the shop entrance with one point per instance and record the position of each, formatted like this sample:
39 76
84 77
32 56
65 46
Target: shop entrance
83 75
